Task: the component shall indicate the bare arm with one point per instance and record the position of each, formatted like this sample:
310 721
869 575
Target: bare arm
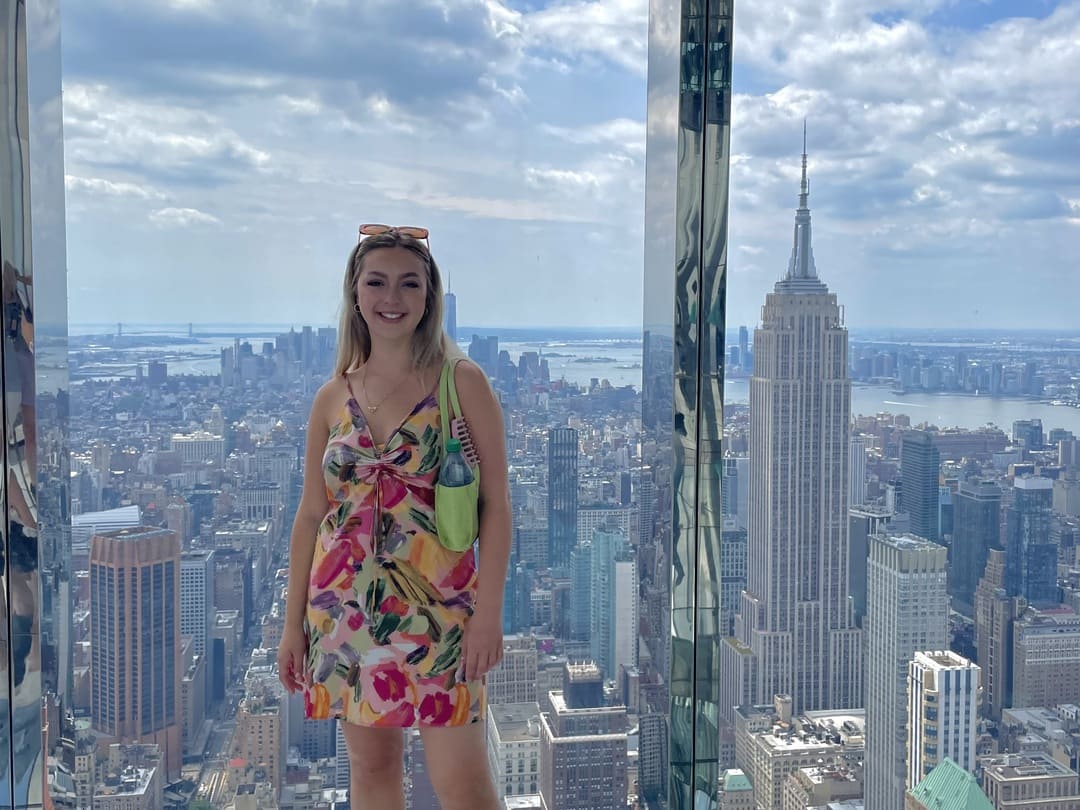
312 509
485 420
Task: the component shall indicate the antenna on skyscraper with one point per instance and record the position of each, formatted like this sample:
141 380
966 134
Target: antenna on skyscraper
805 181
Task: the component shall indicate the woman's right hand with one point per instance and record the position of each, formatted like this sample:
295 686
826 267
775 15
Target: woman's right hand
290 659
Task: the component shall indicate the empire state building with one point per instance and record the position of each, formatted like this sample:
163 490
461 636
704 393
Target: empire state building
796 622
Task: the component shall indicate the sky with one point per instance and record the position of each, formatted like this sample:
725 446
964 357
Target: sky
220 155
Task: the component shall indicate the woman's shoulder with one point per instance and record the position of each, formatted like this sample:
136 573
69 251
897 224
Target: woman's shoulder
331 397
469 375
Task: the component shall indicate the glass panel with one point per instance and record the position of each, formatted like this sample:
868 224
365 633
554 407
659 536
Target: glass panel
21 767
51 361
698 275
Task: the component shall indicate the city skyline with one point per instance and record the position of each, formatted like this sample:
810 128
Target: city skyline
244 164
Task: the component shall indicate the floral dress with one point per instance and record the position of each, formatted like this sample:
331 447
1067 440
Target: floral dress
387 602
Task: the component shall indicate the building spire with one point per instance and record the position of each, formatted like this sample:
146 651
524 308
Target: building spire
801 264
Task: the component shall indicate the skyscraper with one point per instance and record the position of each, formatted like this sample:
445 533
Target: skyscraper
744 348
135 638
1030 556
920 464
907 611
450 315
976 530
795 613
562 494
943 699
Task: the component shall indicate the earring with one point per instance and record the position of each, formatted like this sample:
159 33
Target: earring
357 308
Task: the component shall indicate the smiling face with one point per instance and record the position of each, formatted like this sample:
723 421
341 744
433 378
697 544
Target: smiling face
392 292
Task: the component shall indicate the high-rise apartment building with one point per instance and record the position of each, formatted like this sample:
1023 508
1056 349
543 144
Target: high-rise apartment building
943 698
135 638
920 469
1030 556
562 454
907 611
976 530
795 613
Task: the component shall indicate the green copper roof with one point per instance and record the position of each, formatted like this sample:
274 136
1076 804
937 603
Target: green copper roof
736 781
950 787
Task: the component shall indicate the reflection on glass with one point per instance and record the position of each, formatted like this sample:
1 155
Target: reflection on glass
52 402
687 226
21 661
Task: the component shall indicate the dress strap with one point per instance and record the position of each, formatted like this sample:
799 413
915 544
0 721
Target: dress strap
348 384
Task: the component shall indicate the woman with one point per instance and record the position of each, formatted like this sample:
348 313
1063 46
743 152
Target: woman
385 627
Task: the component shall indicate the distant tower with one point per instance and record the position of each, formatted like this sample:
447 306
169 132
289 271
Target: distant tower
562 494
907 611
976 530
450 315
1030 555
795 615
920 466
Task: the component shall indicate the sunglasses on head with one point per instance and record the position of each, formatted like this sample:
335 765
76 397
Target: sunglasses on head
413 231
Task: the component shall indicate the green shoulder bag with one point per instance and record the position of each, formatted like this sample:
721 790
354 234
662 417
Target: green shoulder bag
457 509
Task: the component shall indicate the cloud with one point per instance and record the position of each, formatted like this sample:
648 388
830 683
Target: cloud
182 218
612 29
933 143
97 186
106 130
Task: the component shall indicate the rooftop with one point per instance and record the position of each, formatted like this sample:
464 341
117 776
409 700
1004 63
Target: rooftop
735 781
840 730
950 787
516 722
1033 765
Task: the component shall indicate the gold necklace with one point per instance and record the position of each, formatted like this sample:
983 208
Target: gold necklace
363 386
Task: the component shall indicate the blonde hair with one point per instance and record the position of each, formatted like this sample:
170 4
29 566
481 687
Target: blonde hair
430 344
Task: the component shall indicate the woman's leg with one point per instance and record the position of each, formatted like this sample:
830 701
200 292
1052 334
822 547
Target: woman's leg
375 767
458 765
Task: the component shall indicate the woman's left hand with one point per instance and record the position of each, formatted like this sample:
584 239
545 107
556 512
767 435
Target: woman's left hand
482 648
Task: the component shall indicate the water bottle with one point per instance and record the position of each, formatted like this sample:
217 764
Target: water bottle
455 471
